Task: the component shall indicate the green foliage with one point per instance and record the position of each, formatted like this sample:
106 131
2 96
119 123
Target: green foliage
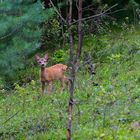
20 32
27 25
59 56
51 35
29 113
133 4
102 112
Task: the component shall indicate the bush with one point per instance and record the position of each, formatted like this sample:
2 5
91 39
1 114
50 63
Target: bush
59 56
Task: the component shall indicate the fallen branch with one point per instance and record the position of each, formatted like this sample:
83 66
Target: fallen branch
10 117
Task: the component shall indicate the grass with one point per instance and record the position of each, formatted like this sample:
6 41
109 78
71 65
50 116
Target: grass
103 112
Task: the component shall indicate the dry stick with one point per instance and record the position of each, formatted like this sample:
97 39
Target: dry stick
82 19
71 91
87 7
11 33
77 4
70 108
107 14
87 18
79 48
10 117
116 11
97 15
58 12
73 62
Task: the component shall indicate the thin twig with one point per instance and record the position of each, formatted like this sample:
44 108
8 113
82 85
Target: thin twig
71 90
77 5
87 7
107 14
109 17
97 15
58 12
10 117
16 29
124 9
90 9
11 33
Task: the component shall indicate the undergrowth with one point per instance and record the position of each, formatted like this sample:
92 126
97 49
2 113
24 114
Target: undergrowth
106 111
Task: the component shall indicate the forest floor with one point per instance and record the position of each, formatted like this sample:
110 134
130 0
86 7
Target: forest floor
108 111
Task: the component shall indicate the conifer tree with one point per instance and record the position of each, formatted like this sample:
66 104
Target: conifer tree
21 25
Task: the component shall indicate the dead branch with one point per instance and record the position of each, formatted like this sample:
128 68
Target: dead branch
87 7
79 47
97 15
11 117
73 62
116 11
71 90
59 14
12 32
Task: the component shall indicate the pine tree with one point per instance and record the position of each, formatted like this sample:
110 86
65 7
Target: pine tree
20 32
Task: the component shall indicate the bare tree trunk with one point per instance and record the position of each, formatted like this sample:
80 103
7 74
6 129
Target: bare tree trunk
79 47
71 91
73 61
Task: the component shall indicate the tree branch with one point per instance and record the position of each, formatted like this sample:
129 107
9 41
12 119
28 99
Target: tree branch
124 9
79 47
97 15
71 90
12 32
87 7
58 12
11 117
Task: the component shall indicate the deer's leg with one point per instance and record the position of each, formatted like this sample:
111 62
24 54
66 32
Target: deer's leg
49 87
67 83
62 84
43 87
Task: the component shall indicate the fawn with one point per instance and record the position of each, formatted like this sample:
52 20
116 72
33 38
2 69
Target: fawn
49 74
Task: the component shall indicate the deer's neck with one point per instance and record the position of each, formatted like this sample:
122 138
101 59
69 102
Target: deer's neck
42 69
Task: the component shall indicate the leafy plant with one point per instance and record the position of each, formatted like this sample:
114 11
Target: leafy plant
59 56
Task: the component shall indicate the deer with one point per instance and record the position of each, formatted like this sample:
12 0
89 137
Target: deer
50 74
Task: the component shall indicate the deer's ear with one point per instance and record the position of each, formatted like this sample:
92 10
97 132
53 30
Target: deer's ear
37 57
46 57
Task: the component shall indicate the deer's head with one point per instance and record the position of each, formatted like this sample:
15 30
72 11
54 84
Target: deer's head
41 61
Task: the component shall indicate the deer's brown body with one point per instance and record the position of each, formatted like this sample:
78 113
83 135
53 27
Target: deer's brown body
50 74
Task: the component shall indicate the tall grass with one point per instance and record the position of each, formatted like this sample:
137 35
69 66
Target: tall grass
104 112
